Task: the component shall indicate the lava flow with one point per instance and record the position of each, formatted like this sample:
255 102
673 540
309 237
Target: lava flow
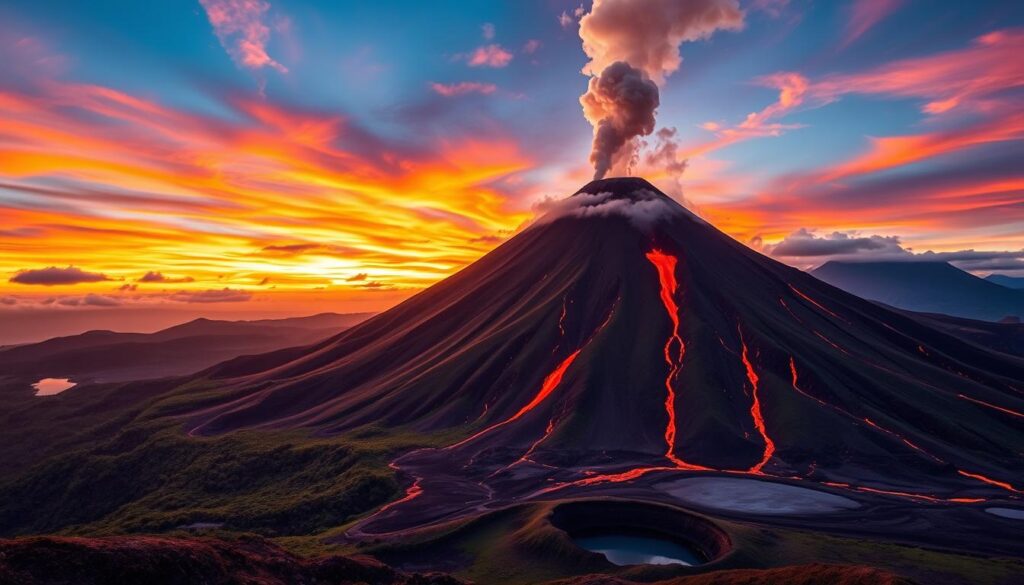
990 405
976 476
550 383
665 264
412 493
990 481
815 303
755 410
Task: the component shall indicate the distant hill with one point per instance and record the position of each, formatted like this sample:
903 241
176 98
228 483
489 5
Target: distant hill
927 287
1003 337
107 356
1016 282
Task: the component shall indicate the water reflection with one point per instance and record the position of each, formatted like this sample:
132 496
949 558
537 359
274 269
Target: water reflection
628 549
51 386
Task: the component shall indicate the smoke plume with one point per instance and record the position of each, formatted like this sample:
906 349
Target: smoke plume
620 105
633 46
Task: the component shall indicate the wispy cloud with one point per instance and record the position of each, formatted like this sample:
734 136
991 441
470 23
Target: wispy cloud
224 295
463 88
492 55
241 27
863 15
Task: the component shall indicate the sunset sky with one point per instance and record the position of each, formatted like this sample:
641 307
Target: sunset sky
250 158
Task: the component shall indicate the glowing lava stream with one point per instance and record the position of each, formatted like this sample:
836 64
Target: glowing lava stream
990 405
990 481
816 303
665 264
550 383
977 476
412 493
755 409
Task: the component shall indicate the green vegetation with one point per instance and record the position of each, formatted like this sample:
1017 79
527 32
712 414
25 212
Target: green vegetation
266 483
129 468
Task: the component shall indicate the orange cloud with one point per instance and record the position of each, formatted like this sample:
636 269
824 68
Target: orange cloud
101 178
965 78
896 151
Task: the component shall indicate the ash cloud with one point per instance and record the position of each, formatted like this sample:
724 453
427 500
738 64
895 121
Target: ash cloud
633 46
53 276
620 104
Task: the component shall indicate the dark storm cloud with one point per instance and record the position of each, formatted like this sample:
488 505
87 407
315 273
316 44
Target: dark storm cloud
152 276
52 276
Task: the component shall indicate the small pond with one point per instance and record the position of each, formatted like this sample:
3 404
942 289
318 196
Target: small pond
51 386
633 549
1011 513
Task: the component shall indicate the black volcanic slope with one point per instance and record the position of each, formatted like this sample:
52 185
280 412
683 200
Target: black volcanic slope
929 287
621 336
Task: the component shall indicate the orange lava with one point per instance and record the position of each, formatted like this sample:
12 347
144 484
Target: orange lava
547 432
990 481
903 439
815 303
796 386
665 264
413 492
599 478
561 320
550 383
755 410
990 405
907 442
871 490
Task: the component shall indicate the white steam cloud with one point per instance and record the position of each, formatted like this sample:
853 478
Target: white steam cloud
643 208
633 46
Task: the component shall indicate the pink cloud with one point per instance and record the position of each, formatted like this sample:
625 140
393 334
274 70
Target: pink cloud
968 79
489 56
463 88
865 14
531 46
952 79
240 27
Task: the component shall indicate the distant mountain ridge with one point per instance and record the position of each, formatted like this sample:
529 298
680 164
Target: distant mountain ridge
108 356
927 287
1015 282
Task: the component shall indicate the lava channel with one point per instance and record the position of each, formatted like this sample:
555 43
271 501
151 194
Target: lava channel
872 424
665 264
550 383
755 409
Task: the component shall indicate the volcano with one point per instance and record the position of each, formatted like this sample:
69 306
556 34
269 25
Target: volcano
621 336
